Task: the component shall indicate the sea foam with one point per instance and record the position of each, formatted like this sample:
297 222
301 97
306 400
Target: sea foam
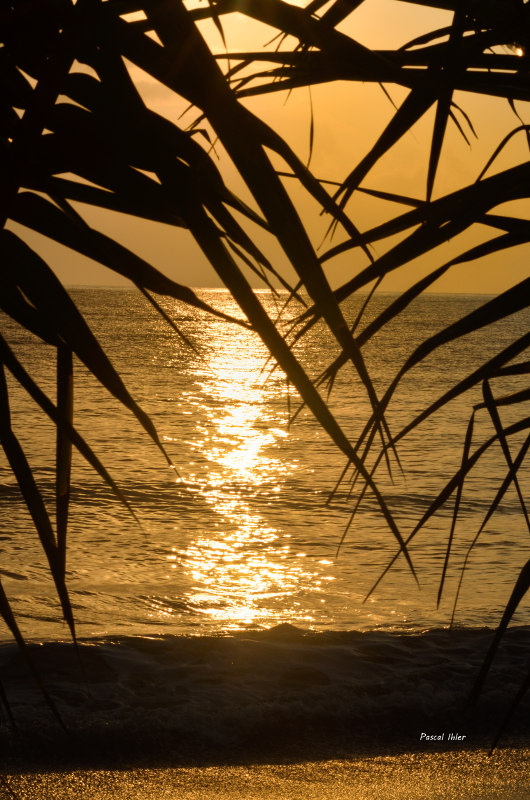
283 689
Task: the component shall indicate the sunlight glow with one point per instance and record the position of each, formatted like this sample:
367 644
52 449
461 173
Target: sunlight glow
242 569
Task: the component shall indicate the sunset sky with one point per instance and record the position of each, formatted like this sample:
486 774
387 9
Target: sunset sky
348 119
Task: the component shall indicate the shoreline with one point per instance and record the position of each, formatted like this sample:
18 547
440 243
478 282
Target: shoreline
281 715
278 696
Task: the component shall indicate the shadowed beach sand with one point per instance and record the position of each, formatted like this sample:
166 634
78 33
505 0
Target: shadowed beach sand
470 775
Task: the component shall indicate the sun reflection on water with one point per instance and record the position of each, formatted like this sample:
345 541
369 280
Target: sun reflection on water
243 570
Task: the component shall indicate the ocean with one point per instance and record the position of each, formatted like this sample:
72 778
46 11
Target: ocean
236 609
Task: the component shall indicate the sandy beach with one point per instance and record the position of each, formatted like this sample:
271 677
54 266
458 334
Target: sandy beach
465 775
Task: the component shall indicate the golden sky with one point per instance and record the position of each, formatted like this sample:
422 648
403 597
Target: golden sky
348 118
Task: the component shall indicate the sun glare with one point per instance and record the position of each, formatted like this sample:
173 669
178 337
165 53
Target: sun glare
242 569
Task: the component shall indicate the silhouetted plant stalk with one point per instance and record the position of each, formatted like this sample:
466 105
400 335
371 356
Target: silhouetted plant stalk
87 137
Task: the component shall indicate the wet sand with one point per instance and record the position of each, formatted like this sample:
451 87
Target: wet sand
463 775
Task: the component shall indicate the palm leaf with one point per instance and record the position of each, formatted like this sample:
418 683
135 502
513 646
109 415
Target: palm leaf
10 620
63 459
46 293
34 502
449 488
63 422
521 587
104 147
508 480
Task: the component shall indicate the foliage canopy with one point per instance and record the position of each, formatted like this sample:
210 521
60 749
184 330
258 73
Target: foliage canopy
74 135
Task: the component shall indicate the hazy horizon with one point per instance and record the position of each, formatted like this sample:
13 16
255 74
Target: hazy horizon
129 285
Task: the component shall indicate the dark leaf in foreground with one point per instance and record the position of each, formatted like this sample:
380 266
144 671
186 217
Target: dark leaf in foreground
520 589
68 138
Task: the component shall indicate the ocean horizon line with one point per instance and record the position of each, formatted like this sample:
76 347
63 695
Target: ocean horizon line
224 290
